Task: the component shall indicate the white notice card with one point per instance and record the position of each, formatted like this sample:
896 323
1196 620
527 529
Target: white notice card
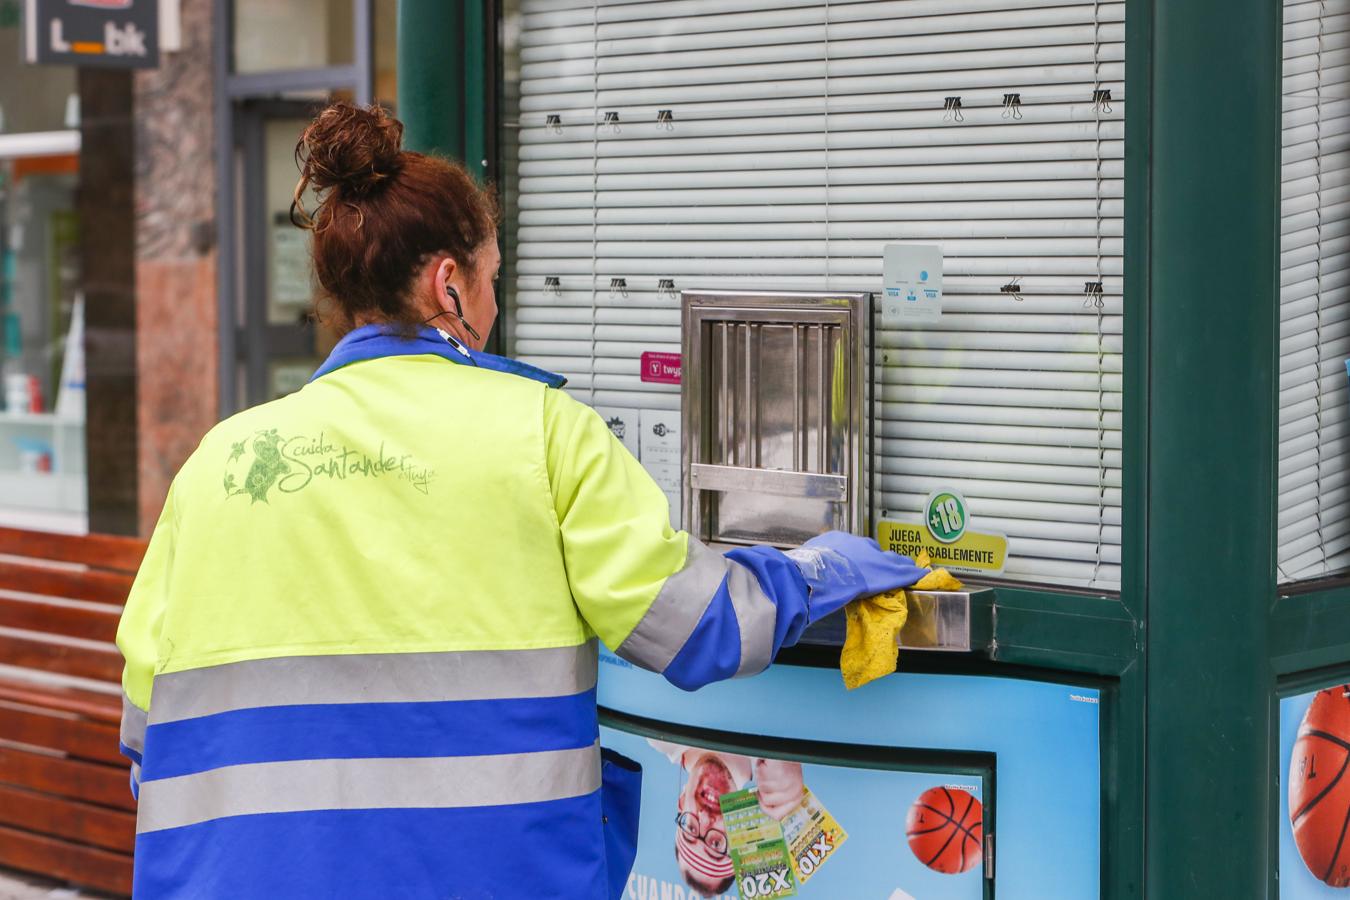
660 447
912 288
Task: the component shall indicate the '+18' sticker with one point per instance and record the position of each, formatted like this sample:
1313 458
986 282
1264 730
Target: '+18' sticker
945 516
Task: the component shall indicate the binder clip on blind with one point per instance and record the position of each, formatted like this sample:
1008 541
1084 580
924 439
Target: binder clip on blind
1094 295
952 107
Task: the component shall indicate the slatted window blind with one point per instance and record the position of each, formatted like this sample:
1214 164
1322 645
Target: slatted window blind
1314 493
672 144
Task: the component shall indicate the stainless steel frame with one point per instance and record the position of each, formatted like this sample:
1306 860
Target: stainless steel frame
797 436
776 390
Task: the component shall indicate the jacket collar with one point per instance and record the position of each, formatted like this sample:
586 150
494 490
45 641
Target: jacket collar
377 341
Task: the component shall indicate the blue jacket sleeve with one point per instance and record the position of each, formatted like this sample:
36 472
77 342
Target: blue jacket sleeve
725 616
759 607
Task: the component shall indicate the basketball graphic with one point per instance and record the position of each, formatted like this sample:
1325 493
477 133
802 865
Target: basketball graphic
946 830
1319 787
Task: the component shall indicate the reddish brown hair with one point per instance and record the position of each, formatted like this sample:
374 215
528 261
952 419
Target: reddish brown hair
382 213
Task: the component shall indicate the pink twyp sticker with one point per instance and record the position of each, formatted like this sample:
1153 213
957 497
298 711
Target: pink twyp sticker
661 368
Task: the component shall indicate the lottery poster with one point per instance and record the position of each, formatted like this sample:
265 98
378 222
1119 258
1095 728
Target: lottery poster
1315 794
717 824
914 787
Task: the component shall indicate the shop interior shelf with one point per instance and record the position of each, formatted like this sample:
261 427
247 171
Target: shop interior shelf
51 420
51 485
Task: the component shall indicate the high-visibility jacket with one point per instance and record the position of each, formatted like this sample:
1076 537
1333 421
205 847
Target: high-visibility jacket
361 651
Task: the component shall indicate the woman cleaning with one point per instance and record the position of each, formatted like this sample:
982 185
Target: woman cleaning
361 651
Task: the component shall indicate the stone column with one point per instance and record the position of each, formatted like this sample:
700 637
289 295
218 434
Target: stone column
176 317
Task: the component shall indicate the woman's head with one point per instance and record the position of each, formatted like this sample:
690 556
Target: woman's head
397 235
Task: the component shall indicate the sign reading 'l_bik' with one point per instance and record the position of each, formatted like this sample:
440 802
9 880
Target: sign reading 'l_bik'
121 34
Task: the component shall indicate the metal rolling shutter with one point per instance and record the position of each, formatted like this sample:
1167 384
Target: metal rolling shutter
1314 493
551 304
772 143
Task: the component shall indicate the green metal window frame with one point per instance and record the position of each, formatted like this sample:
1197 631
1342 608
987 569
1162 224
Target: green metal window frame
1309 621
1194 653
1093 640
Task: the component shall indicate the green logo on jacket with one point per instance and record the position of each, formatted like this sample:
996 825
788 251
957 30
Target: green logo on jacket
266 460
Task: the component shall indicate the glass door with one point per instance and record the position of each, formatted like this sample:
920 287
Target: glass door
281 339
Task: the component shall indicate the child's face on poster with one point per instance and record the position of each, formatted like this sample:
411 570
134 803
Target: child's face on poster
701 840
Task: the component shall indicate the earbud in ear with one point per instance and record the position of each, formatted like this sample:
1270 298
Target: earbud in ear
459 312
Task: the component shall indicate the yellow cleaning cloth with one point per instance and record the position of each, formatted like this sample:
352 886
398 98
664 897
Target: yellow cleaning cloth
874 623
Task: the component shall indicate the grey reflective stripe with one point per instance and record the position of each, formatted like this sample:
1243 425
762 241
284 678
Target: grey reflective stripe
374 678
398 783
671 618
756 616
133 725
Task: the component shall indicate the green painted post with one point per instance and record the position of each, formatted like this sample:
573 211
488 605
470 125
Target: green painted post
1209 518
1123 705
477 82
431 75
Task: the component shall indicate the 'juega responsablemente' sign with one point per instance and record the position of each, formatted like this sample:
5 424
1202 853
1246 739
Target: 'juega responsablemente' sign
120 34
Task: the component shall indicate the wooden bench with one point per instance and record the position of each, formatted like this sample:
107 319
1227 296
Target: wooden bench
66 809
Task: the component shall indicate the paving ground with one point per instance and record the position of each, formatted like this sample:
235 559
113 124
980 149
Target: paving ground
20 886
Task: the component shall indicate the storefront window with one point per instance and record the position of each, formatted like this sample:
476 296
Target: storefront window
284 342
291 288
651 150
42 416
298 34
32 98
281 341
290 281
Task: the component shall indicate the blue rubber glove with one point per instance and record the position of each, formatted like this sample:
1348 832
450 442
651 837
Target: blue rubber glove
840 567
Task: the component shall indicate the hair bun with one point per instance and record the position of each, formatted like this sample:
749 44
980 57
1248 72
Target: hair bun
350 149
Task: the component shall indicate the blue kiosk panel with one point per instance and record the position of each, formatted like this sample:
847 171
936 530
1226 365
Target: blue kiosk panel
916 772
